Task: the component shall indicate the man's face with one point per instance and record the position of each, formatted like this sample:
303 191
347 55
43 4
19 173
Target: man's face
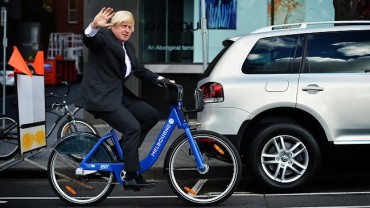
122 31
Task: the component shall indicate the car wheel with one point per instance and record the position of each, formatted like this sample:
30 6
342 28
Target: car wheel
284 156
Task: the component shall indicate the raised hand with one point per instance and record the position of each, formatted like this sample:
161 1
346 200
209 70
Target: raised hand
101 19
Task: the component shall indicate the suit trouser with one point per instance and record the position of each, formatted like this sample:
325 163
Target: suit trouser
134 119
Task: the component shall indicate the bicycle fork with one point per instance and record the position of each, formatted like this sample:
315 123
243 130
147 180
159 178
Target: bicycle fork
202 167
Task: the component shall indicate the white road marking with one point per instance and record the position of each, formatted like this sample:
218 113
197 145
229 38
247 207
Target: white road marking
140 197
332 207
320 193
27 198
236 194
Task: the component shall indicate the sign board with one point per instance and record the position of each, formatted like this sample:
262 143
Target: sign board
31 101
31 111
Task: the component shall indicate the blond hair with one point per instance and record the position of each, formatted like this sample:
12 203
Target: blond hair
123 17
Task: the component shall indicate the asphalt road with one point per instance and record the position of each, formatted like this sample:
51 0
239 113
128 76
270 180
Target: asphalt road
327 192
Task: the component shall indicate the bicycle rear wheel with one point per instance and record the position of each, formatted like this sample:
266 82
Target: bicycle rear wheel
221 178
80 124
9 142
65 159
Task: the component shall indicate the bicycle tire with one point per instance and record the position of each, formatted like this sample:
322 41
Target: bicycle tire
9 142
90 189
203 189
81 125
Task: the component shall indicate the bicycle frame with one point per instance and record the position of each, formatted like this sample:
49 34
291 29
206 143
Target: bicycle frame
70 116
66 112
175 119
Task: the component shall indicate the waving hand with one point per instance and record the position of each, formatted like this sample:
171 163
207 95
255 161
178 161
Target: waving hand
102 18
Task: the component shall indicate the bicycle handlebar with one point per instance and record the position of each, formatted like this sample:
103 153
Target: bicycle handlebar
176 96
57 105
61 96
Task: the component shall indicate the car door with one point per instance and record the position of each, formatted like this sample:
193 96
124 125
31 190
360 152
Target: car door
270 74
334 86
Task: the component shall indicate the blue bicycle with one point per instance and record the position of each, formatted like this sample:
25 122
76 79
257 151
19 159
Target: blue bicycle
202 167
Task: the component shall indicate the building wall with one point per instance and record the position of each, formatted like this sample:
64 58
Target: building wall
252 15
61 17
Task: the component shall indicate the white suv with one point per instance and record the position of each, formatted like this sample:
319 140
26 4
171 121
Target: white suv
284 94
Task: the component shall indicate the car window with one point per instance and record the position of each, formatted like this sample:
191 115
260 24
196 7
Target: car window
272 55
211 66
338 52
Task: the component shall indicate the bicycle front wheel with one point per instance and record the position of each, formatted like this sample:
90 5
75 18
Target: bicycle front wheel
214 185
80 125
9 142
89 189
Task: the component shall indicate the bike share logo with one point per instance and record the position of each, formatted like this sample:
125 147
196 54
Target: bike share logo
171 121
103 167
163 135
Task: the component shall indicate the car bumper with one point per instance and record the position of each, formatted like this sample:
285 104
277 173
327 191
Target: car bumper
8 82
225 121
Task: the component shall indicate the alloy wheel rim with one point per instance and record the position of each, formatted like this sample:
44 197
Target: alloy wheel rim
284 159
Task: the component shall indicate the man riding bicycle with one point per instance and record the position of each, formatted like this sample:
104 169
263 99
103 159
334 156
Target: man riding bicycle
111 61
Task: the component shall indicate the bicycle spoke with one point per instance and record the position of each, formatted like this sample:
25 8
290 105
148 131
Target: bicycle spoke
9 142
77 189
212 186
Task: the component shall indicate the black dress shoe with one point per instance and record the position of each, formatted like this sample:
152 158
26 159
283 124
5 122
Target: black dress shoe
140 179
139 183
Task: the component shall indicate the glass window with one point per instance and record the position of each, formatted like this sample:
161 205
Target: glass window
211 66
72 11
273 55
167 34
338 52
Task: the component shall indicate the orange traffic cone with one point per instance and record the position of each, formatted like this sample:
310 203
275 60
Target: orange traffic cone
39 63
17 61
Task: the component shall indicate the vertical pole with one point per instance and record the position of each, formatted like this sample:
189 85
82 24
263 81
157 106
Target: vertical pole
5 44
204 34
272 12
167 53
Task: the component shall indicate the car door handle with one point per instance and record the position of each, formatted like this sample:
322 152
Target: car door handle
312 87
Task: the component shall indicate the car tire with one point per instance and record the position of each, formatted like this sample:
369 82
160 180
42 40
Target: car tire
284 156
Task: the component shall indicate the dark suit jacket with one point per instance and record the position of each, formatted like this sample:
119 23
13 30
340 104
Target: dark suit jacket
102 85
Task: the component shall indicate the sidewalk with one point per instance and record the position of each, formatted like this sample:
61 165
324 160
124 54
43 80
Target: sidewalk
28 167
